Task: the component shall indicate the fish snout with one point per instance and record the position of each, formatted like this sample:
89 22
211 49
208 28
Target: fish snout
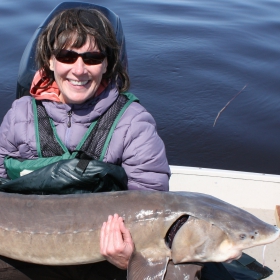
258 237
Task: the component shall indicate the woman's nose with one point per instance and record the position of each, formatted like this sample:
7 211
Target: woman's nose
79 67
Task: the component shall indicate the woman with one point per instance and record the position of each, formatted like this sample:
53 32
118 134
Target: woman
80 79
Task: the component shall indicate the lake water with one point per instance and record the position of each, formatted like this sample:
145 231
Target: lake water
187 60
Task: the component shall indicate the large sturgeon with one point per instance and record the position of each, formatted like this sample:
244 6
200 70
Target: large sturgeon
168 228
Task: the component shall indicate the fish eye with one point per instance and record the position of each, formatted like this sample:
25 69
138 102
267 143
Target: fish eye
242 236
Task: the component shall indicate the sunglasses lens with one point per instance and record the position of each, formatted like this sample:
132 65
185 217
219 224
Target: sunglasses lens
89 58
93 58
67 57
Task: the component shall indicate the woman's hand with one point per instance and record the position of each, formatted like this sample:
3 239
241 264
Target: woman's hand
116 244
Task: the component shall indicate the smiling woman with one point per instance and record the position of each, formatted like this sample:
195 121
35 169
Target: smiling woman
80 56
78 76
80 108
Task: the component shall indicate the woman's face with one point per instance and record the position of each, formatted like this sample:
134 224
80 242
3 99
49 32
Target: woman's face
78 82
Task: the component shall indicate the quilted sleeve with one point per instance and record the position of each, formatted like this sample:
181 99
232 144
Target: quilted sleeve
144 157
17 133
6 140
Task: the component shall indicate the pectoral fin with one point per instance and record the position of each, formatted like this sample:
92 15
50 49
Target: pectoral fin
141 268
183 271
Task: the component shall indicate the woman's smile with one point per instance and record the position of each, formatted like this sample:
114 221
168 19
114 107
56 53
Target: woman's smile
78 83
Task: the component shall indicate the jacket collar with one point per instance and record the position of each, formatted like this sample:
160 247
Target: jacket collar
85 112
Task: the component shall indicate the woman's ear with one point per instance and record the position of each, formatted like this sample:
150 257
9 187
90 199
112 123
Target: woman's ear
51 64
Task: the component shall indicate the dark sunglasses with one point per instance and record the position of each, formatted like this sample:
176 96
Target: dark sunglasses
70 57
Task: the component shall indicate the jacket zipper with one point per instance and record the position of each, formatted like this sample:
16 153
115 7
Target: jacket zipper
69 118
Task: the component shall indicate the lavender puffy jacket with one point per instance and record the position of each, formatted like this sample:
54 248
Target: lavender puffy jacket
135 144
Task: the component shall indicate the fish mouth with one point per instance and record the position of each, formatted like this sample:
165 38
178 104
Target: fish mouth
234 258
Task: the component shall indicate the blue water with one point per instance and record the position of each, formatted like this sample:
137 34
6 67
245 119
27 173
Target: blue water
187 60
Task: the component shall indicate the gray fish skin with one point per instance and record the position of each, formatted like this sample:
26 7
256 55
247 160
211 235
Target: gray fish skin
65 229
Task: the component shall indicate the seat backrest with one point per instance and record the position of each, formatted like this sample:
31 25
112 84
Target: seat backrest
27 67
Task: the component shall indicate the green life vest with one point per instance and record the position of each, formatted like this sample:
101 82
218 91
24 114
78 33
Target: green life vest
51 149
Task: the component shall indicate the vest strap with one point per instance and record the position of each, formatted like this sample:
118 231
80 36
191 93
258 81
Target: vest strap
100 136
48 142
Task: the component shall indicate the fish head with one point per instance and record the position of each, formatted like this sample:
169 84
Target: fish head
200 240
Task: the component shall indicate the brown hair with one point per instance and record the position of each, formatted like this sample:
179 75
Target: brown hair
71 29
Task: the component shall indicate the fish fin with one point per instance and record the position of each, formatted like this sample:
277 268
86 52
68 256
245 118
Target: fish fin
141 268
183 271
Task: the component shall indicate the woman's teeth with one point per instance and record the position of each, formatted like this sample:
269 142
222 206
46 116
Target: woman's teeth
78 83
